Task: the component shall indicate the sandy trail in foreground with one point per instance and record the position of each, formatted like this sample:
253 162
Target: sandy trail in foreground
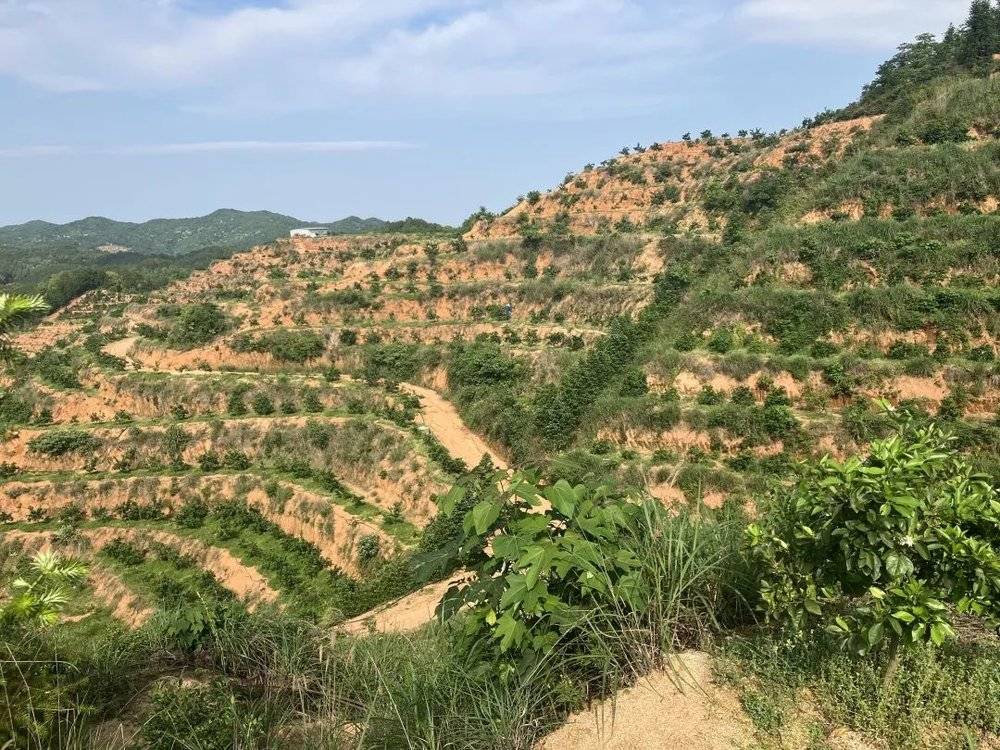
678 708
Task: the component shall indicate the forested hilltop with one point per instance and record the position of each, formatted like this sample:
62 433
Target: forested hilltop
700 448
63 261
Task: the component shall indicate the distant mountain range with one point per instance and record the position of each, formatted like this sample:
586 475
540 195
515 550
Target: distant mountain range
223 228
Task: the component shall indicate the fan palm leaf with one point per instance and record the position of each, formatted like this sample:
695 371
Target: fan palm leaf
14 310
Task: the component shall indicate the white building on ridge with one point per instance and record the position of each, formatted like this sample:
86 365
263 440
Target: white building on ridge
310 232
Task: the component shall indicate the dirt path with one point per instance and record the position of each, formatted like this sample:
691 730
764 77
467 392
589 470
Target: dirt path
402 615
442 419
120 348
417 609
680 708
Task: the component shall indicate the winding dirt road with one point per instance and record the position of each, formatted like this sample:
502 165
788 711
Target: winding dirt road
442 419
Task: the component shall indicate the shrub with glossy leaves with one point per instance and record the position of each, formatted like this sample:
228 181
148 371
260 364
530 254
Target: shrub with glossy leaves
886 549
539 571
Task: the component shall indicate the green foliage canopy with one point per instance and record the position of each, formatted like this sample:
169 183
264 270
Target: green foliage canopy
884 549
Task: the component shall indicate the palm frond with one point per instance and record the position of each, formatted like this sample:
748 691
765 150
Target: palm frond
15 308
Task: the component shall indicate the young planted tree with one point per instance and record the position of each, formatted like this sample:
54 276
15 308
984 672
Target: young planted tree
883 551
37 602
14 310
31 682
589 581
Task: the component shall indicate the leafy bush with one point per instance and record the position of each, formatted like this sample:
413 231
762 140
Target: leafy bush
368 550
57 367
192 513
294 346
14 409
124 552
483 364
285 345
877 550
393 363
174 441
588 574
198 323
529 593
59 442
634 383
236 405
261 403
235 459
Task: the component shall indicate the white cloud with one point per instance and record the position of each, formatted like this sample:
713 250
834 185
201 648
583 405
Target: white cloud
317 53
18 152
207 147
860 23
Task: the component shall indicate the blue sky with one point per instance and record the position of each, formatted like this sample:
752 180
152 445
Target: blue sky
390 108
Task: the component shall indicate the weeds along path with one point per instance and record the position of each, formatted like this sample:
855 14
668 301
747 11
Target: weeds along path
679 707
443 420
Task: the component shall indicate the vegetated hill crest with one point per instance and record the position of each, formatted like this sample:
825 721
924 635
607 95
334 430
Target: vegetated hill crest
222 228
890 164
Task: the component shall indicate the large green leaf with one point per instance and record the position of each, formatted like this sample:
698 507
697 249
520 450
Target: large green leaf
483 516
562 497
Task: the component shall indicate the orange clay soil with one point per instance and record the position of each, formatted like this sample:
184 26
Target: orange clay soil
106 395
594 197
402 615
439 416
383 483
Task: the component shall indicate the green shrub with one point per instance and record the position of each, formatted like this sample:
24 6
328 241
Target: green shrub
633 383
261 403
593 577
57 367
174 441
192 513
14 409
59 442
708 396
294 346
883 551
235 459
393 363
236 405
209 461
483 364
368 549
311 401
124 552
197 324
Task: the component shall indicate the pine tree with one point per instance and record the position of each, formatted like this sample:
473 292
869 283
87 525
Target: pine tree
981 33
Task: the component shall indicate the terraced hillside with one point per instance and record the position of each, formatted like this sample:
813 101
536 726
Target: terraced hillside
257 462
